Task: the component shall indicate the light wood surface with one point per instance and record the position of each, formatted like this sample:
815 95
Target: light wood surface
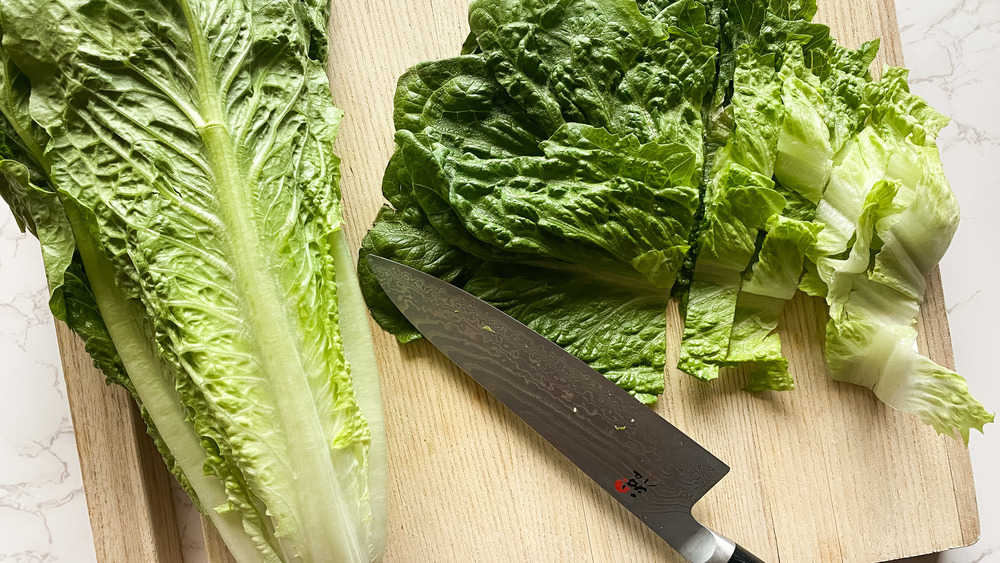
128 487
825 473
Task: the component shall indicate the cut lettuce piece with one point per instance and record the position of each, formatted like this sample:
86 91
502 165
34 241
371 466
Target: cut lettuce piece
865 353
802 163
739 200
769 285
727 242
756 114
889 216
804 160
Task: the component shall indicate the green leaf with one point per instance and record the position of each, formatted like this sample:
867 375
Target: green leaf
805 157
189 150
770 284
727 242
939 397
889 215
458 103
483 176
699 19
739 200
757 115
599 62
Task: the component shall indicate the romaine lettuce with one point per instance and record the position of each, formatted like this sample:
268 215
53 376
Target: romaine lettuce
176 163
738 200
720 149
540 176
889 215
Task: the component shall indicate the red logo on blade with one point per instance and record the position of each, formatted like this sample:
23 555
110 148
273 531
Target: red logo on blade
634 486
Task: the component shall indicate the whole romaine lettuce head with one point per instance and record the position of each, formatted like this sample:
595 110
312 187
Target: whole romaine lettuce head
176 162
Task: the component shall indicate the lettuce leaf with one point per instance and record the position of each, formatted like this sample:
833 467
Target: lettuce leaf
767 287
526 171
739 200
583 154
177 165
889 216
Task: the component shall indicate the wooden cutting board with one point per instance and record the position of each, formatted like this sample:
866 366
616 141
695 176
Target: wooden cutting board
824 473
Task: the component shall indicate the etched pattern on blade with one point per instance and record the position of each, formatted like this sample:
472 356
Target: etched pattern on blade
643 461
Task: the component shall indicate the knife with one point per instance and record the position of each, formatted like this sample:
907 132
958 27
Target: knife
653 469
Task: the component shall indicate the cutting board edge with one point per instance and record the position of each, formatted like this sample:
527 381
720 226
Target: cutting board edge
110 434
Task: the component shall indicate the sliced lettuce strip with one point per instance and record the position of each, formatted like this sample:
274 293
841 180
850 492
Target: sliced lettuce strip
767 287
739 200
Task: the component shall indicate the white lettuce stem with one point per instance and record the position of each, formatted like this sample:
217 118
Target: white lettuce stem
320 509
155 386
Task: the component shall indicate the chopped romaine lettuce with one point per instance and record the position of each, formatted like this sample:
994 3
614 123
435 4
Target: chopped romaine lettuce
587 153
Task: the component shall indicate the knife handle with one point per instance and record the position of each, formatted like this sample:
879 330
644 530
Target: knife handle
741 555
713 547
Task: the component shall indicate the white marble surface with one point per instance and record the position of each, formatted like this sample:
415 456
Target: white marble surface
952 48
43 512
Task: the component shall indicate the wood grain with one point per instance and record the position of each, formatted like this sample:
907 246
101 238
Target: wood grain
825 473
215 548
128 487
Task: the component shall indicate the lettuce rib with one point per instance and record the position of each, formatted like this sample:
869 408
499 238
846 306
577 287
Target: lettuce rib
185 152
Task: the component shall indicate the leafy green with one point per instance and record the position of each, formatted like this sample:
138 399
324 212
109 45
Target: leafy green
597 62
805 156
739 200
587 199
889 216
770 283
726 246
176 163
584 159
528 168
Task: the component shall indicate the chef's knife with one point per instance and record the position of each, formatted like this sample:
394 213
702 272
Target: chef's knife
649 466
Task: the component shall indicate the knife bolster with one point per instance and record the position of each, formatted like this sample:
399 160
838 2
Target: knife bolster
741 555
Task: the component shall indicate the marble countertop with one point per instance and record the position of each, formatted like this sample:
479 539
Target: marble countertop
952 49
